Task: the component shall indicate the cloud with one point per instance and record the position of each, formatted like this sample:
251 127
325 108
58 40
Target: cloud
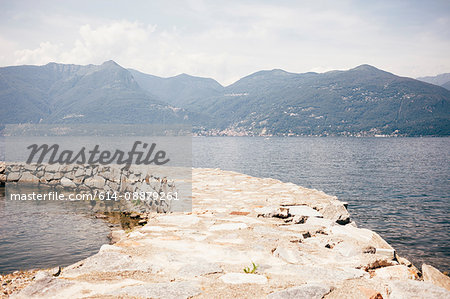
45 53
136 45
226 42
120 39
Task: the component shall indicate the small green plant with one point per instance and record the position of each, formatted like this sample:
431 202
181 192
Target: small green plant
251 271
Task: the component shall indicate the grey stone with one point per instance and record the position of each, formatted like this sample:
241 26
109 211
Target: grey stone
113 186
335 211
69 175
67 183
435 277
240 278
29 167
272 211
106 174
14 168
316 273
303 211
54 182
53 168
359 288
310 291
44 288
42 275
288 255
400 272
95 182
28 178
228 226
390 253
48 176
115 174
57 175
183 289
78 180
416 289
109 261
13 176
199 269
80 172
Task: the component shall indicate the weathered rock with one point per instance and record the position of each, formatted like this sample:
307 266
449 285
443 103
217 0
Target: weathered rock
28 178
310 291
359 288
435 277
176 290
48 176
90 178
45 287
67 183
179 220
403 261
335 211
198 269
109 261
288 255
304 273
42 275
416 289
272 211
187 253
53 168
228 226
95 182
80 172
389 252
13 176
240 278
400 272
303 211
347 249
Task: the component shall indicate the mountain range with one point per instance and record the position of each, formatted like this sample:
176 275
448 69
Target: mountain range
441 80
360 101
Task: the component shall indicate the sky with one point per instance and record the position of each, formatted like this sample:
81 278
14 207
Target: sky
227 40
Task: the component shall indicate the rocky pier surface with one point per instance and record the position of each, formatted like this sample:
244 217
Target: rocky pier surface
246 237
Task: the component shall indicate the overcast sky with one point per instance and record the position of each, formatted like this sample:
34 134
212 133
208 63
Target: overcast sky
229 39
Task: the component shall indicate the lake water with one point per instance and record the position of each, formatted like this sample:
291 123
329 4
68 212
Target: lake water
398 187
46 234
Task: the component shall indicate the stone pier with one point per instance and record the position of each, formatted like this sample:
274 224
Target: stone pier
246 237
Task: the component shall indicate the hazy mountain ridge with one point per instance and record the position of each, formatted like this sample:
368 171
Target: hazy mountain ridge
360 101
59 93
441 80
446 85
177 90
363 99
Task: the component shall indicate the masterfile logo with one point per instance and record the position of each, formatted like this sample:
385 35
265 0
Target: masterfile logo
141 167
148 155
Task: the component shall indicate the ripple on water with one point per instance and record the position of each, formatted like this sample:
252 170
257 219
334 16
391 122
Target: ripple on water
46 234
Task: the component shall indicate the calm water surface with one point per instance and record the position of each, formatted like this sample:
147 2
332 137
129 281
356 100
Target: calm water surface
398 187
46 234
